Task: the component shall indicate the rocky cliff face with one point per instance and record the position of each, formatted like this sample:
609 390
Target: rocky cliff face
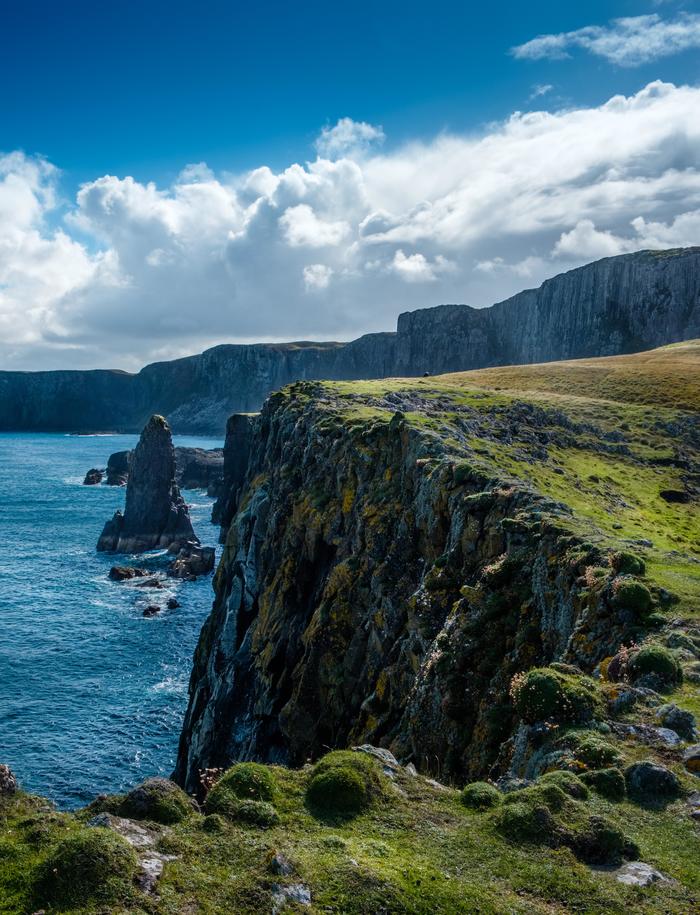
155 515
376 587
617 305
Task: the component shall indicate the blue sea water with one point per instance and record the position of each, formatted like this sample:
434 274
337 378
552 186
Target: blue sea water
92 694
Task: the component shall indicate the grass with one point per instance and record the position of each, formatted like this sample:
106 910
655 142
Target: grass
417 850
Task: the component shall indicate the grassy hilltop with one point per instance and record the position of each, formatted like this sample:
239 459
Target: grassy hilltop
616 443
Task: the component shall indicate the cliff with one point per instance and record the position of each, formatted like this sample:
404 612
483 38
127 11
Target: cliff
400 551
616 305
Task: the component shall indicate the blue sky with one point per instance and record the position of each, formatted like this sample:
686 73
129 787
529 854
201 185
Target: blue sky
141 88
175 175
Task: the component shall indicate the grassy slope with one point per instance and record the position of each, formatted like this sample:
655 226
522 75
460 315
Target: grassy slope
418 850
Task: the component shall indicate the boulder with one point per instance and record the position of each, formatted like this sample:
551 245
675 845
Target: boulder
151 610
678 720
691 759
173 603
192 560
155 515
647 780
92 477
8 782
637 873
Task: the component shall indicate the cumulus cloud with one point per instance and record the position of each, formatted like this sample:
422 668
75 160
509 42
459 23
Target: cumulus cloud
348 137
627 42
317 276
131 271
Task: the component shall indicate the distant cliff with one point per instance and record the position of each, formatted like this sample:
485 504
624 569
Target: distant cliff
616 305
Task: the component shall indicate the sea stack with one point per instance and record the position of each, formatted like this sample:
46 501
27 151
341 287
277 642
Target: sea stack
155 515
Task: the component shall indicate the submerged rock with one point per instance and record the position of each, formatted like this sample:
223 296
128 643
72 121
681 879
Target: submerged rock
126 573
155 514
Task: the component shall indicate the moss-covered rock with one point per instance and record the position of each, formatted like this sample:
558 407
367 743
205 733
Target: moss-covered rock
568 782
157 799
337 791
656 662
625 563
519 821
609 783
480 796
602 842
247 781
632 595
594 752
93 866
544 693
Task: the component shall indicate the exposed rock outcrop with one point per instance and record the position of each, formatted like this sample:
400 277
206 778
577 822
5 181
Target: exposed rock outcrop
239 435
155 515
118 468
93 477
616 305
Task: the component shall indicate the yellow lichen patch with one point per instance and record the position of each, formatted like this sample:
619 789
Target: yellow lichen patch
348 499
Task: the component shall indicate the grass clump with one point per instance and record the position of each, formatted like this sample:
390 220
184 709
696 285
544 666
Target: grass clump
609 783
256 813
93 866
480 796
602 842
544 693
568 782
657 661
157 799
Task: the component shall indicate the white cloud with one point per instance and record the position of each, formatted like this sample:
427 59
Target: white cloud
539 90
416 268
337 247
348 137
628 42
303 228
584 240
317 276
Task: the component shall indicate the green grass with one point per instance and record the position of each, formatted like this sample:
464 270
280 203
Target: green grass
418 851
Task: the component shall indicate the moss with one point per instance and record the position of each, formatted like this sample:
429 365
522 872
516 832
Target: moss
609 783
627 563
213 822
568 782
157 799
632 595
656 660
338 791
543 793
94 865
480 796
543 693
243 782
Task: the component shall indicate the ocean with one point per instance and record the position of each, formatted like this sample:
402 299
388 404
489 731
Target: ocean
92 694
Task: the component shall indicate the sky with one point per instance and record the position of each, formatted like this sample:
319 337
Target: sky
177 175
